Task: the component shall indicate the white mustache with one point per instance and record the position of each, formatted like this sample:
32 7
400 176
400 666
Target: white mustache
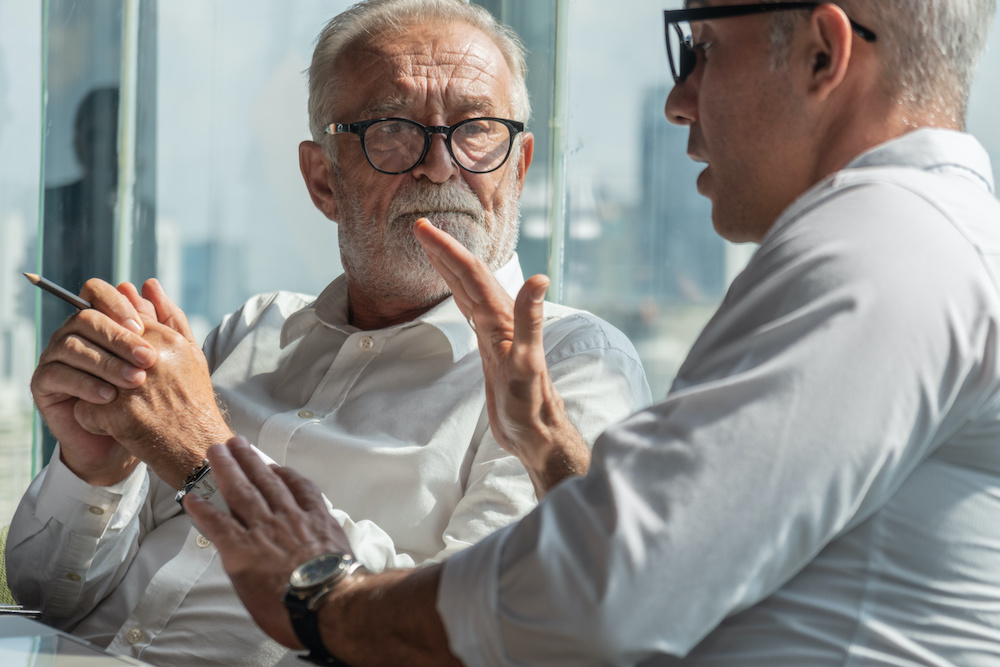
429 199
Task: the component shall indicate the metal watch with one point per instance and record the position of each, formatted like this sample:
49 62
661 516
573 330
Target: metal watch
309 584
202 482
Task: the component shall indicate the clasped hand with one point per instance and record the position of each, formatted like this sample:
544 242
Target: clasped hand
126 381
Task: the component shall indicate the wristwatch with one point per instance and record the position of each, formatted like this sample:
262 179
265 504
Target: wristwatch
308 585
202 482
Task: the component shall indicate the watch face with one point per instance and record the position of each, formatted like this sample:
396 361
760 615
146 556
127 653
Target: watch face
318 570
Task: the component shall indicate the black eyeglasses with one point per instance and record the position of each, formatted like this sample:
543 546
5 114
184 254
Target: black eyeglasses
681 49
397 145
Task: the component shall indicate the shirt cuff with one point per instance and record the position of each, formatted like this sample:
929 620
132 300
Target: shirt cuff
89 509
467 602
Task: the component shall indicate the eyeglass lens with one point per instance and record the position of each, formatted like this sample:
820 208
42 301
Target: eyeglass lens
679 51
397 145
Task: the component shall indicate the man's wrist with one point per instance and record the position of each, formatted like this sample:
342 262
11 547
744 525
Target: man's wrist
311 587
564 454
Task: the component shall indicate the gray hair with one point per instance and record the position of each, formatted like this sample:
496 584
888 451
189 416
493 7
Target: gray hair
929 48
371 18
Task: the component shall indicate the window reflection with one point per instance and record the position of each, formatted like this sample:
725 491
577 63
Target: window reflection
79 216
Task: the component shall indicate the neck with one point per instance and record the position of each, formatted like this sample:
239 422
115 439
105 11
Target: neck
369 314
864 120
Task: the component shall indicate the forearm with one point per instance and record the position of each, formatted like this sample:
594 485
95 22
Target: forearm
387 619
566 457
551 449
69 543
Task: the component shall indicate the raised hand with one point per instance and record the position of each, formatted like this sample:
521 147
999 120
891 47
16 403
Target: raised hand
525 410
279 521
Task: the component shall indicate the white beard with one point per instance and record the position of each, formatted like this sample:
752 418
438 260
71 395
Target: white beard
394 265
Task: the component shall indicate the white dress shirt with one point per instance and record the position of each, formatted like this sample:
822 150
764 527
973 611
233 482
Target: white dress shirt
822 484
391 424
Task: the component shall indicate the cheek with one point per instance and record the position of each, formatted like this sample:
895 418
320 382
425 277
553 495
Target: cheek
375 192
494 192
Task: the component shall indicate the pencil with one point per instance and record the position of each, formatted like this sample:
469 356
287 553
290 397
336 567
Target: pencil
52 288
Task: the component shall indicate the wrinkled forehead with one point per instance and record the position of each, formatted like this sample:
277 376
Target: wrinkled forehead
434 67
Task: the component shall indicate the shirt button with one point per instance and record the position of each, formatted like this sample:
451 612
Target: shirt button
96 510
202 541
73 576
366 343
134 636
306 414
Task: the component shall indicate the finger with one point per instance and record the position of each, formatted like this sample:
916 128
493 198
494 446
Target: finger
77 351
319 524
270 486
465 273
437 244
477 291
218 526
305 492
245 502
144 307
529 313
54 383
99 330
106 299
167 312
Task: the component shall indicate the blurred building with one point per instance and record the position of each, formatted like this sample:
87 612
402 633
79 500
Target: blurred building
681 258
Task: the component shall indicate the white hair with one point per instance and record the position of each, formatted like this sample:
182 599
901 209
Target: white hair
928 48
371 18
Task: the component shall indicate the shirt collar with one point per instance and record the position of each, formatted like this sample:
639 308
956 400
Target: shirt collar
929 149
330 309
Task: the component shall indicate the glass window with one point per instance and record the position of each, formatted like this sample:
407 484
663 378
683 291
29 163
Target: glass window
203 189
20 166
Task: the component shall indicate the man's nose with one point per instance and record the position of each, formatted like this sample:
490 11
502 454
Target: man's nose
437 166
682 103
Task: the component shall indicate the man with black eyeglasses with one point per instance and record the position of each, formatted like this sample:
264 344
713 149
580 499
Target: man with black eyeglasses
375 387
821 487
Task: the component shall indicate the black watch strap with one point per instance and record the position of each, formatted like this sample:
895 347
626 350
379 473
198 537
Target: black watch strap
306 626
325 659
305 622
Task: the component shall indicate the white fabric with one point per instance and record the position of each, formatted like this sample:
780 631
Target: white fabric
822 484
391 424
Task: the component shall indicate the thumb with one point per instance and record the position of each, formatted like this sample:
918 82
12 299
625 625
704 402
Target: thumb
89 417
529 312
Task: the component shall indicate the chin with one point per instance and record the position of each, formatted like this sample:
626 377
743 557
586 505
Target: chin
703 182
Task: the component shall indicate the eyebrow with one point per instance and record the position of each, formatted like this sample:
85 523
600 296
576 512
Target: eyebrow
395 104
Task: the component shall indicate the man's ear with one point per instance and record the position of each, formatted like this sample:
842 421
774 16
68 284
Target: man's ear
524 159
315 168
827 49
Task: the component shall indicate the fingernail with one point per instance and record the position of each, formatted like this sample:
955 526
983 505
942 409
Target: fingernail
143 355
133 325
133 374
539 293
105 392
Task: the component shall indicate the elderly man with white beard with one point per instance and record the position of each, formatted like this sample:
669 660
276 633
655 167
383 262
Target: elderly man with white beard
375 388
